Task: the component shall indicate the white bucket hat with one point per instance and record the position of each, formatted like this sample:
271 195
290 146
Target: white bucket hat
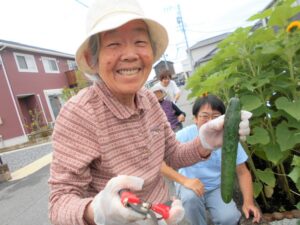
105 15
158 88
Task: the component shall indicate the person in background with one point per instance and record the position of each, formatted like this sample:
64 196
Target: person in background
198 186
169 86
114 135
175 116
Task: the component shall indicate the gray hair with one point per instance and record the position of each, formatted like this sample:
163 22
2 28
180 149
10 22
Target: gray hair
94 46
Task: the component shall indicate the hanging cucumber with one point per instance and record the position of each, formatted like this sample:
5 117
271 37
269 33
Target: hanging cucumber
229 148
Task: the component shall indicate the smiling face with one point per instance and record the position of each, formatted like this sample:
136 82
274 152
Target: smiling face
205 114
125 59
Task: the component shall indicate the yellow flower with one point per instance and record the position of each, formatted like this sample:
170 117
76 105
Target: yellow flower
293 26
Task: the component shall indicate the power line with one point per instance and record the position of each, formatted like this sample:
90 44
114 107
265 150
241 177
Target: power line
81 3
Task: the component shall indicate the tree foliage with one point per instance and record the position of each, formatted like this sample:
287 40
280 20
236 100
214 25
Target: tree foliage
82 82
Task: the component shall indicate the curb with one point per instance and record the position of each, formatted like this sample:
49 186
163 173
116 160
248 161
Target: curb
31 168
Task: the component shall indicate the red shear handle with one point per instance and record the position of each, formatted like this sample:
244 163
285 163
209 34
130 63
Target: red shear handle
162 209
128 197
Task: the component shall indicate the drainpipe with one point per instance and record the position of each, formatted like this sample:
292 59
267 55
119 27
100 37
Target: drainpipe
11 92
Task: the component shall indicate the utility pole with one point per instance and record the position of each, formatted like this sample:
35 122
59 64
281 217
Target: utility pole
181 24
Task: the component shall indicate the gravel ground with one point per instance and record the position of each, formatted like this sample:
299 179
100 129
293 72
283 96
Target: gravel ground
286 222
22 157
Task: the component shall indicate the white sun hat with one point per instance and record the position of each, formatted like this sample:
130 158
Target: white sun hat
106 15
158 88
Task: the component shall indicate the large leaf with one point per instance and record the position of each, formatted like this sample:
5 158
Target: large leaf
266 176
298 185
274 154
286 138
257 188
261 15
260 136
250 102
295 174
281 14
272 48
292 108
296 161
262 110
298 207
260 152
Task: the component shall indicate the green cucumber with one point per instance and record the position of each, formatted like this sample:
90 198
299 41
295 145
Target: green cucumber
229 148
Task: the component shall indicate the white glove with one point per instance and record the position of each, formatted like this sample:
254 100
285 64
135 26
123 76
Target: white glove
107 206
175 216
176 212
211 133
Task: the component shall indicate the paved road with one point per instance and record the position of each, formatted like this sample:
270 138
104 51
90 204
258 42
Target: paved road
186 105
25 202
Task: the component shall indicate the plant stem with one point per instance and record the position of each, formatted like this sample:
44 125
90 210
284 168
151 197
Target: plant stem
253 169
285 183
271 130
290 63
292 76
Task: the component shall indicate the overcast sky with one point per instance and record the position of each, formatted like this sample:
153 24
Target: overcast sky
60 24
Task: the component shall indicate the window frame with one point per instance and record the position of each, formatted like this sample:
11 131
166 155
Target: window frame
72 64
33 68
46 60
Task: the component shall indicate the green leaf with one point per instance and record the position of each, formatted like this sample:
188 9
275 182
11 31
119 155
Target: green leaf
298 207
274 154
286 138
292 108
272 48
295 174
266 176
250 102
257 188
280 15
298 185
248 86
260 152
260 136
262 110
296 161
261 15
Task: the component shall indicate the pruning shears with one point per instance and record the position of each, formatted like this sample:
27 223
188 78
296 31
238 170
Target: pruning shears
147 209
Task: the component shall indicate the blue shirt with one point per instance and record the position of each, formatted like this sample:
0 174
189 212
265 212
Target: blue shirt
209 171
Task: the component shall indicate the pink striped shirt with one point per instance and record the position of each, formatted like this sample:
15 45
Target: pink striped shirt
97 138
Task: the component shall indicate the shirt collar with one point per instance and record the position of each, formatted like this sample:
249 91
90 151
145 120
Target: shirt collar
118 109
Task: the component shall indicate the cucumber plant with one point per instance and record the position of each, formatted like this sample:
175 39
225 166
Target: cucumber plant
262 66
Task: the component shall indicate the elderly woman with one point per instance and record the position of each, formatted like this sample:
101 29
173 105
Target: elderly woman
114 135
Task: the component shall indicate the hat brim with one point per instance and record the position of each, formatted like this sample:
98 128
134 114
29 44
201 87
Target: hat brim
157 32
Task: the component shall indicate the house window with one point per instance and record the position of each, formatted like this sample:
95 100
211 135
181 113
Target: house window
72 65
50 65
25 63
